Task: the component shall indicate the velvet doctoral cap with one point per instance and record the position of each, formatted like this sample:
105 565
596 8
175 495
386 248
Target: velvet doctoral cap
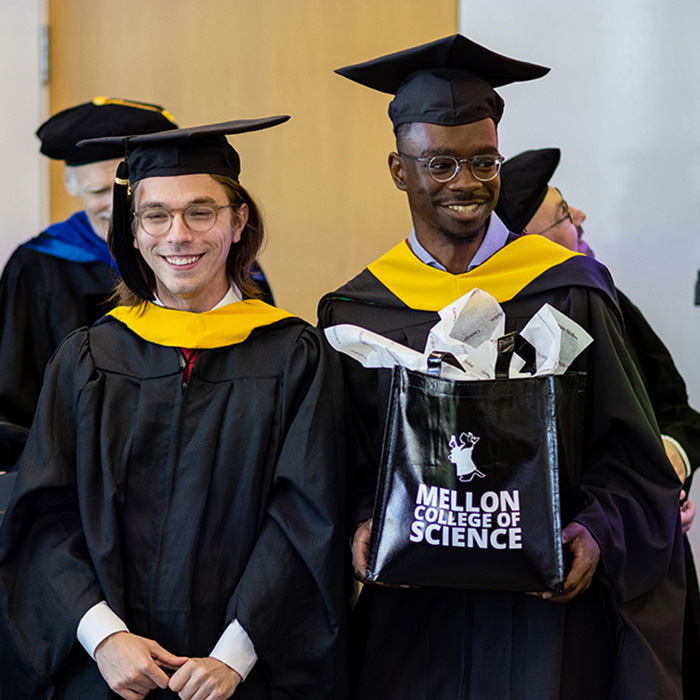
524 182
448 82
103 116
190 151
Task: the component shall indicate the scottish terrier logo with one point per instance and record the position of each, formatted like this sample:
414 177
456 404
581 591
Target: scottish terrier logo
461 456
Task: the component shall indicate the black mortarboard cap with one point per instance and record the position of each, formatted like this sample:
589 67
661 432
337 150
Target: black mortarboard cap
102 117
449 81
524 182
198 149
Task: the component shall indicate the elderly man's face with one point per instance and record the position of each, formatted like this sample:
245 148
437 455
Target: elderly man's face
453 211
93 183
189 266
556 221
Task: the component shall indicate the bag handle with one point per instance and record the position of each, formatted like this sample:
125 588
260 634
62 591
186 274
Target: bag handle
507 345
437 357
514 343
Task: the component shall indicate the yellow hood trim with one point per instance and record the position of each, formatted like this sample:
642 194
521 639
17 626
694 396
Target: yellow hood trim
503 275
226 325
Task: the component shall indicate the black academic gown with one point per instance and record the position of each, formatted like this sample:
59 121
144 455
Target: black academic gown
42 299
621 638
669 399
184 507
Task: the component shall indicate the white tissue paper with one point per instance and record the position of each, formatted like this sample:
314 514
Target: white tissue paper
469 329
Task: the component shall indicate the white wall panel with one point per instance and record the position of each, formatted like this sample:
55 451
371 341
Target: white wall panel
23 171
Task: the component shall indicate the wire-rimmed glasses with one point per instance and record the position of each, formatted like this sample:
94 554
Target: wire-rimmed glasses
445 168
157 221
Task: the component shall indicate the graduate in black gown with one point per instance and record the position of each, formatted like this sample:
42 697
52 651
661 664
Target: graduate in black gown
61 279
529 204
615 630
175 529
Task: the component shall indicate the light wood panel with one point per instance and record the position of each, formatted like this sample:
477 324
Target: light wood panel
322 178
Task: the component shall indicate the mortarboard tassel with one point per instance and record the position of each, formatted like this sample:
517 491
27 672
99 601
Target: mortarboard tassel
122 243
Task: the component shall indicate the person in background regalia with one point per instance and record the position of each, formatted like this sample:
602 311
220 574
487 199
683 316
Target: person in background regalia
529 204
62 279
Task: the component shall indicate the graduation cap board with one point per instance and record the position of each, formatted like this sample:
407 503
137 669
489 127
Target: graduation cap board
101 117
524 184
198 149
188 151
449 81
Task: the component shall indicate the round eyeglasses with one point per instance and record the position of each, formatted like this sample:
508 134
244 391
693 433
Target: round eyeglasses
157 221
445 168
566 216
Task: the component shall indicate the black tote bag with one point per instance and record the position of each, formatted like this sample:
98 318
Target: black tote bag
473 481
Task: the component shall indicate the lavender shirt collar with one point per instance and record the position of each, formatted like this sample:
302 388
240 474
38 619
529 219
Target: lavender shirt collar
495 238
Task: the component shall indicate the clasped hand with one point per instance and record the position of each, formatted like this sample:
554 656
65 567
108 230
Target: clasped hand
133 666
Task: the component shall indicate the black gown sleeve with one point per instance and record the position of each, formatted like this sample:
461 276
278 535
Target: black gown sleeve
43 553
42 300
630 492
365 409
663 382
291 596
26 345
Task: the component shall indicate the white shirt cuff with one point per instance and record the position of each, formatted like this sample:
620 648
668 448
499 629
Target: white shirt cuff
681 452
98 623
235 649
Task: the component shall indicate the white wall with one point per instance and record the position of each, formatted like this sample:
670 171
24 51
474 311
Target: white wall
23 171
623 103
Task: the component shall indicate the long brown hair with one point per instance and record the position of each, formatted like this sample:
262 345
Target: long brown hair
240 257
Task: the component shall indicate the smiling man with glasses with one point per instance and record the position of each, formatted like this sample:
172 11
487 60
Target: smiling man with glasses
614 631
176 528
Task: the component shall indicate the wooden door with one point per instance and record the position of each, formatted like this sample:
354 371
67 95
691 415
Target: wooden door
322 178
